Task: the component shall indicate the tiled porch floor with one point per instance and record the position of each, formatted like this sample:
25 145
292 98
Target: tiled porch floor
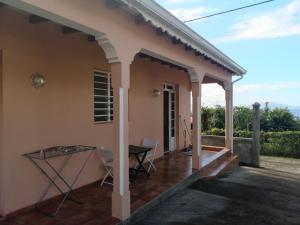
171 169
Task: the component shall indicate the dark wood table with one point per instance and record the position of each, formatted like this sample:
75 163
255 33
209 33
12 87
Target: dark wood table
140 154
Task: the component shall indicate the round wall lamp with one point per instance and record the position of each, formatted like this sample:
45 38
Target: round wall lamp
156 92
38 80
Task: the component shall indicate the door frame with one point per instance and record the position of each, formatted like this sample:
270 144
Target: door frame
171 89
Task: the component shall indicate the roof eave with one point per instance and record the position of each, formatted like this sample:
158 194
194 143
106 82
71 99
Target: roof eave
161 18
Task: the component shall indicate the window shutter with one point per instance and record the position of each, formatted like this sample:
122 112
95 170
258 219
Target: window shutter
103 97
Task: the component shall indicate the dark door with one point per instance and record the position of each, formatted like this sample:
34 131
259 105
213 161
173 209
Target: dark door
166 121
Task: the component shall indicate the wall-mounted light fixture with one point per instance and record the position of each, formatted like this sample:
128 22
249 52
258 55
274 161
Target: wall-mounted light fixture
38 80
156 92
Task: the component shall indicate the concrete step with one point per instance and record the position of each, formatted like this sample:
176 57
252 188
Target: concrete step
221 168
213 161
212 148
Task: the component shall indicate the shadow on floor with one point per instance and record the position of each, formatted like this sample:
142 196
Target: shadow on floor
247 197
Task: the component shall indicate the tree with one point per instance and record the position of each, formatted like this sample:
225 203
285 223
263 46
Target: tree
242 118
218 119
207 114
277 119
282 120
265 119
297 124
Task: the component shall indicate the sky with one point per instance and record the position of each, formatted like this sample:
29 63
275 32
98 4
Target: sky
265 40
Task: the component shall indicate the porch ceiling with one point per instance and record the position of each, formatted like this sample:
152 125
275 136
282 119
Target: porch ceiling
162 62
210 80
148 11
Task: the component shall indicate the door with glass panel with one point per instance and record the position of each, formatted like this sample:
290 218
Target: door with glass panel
169 117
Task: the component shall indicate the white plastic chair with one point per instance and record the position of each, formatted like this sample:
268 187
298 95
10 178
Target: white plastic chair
150 157
106 156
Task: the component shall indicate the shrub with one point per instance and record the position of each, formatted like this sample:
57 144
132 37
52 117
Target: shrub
237 133
243 133
216 131
283 144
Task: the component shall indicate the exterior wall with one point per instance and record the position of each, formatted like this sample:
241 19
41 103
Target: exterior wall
61 112
146 110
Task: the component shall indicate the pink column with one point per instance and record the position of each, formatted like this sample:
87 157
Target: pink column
229 118
196 134
121 195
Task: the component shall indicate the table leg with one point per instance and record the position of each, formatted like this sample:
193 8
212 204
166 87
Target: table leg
77 200
73 183
141 163
58 175
54 179
140 167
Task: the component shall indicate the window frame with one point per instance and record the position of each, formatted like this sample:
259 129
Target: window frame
109 97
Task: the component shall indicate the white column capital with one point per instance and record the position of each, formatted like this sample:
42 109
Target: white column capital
108 48
195 75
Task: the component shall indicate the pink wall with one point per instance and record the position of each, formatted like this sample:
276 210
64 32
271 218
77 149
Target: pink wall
61 112
146 110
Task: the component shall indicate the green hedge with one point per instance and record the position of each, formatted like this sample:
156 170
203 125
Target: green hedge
237 133
284 144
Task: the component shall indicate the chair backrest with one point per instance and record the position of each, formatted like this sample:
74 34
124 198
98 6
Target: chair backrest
106 155
151 143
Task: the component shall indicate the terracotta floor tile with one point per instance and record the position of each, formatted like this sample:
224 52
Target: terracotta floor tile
171 169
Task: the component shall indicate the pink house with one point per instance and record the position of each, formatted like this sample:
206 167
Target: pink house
151 61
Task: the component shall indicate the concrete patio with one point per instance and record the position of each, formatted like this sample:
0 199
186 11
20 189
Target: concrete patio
260 196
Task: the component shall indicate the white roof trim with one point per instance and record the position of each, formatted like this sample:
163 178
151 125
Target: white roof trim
161 18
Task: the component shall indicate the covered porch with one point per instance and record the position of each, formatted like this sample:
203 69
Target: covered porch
172 169
66 111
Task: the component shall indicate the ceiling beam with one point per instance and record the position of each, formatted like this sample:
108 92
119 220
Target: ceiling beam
36 19
112 4
188 48
154 59
162 62
159 31
198 53
139 19
175 41
69 30
143 56
91 38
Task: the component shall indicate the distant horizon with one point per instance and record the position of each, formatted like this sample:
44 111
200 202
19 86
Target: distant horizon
262 104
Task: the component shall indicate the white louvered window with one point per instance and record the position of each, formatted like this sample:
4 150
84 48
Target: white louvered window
103 97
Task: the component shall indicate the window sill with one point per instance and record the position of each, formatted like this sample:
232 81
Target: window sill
104 122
